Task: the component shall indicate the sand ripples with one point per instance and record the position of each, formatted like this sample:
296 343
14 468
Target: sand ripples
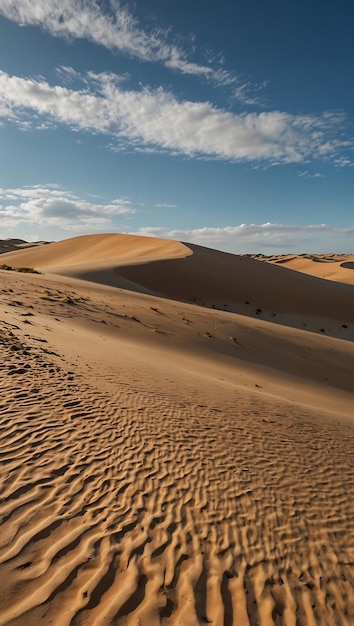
134 509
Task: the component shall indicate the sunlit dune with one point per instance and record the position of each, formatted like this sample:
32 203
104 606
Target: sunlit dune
90 250
177 434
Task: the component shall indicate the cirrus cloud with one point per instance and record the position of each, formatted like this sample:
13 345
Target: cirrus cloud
110 25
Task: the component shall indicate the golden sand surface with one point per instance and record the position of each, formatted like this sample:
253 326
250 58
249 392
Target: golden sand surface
171 455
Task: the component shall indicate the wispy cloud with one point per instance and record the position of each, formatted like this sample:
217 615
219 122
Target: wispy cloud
311 175
343 161
249 93
50 205
111 25
156 120
262 238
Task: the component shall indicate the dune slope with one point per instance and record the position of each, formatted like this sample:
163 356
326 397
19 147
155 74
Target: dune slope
165 463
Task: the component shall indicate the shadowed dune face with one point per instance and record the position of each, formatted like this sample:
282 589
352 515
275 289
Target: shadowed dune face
12 245
242 284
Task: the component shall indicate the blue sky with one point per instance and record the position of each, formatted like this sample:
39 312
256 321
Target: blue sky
228 124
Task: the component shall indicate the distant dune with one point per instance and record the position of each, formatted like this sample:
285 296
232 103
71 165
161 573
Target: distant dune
177 436
10 245
335 267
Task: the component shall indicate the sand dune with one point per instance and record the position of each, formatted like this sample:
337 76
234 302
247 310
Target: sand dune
164 462
90 250
11 245
335 267
199 275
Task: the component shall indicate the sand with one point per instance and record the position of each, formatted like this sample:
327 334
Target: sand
335 267
11 245
169 453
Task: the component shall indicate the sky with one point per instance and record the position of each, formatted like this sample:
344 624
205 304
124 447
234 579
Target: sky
227 124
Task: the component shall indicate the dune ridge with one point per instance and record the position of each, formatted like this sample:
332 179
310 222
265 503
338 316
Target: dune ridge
167 463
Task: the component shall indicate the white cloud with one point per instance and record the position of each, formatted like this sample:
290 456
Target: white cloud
249 93
111 25
52 209
156 120
262 238
49 205
310 175
5 110
343 162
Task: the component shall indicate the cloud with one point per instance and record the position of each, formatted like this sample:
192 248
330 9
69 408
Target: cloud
5 111
156 120
110 25
49 205
52 207
343 162
249 93
311 175
262 238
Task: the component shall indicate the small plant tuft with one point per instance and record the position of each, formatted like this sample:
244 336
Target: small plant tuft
25 270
